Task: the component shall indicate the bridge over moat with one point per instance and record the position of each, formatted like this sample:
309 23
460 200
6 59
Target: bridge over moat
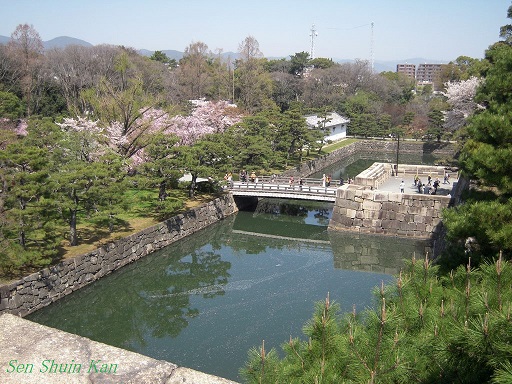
381 200
309 189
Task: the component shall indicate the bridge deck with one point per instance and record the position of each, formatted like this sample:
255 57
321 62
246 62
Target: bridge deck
289 191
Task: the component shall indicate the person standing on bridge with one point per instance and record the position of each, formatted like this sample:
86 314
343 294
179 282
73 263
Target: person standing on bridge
253 177
324 180
402 187
291 181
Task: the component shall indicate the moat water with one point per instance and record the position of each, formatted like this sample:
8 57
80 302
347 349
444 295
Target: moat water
203 302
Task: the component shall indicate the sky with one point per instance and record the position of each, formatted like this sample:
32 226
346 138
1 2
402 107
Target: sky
431 29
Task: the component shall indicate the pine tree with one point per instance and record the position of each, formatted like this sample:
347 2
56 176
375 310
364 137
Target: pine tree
426 328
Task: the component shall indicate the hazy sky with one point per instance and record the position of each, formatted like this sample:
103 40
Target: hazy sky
432 29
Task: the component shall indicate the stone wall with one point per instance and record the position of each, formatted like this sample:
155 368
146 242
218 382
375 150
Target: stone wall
400 214
39 289
313 166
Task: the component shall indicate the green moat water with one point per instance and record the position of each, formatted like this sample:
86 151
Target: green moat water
204 301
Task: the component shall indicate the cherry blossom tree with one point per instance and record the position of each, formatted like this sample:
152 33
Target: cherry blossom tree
461 96
207 117
89 139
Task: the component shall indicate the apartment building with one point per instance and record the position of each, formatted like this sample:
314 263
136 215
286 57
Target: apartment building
426 73
407 69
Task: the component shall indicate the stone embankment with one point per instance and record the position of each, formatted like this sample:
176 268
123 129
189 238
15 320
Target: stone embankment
378 146
40 289
391 213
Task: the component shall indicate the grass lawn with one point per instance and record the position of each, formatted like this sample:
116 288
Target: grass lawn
141 214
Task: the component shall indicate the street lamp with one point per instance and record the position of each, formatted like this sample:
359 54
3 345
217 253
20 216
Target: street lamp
397 150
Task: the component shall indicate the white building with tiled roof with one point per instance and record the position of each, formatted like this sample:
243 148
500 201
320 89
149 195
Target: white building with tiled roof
334 125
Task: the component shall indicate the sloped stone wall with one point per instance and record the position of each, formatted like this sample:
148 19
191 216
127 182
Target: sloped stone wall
39 289
400 214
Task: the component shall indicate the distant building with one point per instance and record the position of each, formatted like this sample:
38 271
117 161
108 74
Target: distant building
334 125
407 69
426 73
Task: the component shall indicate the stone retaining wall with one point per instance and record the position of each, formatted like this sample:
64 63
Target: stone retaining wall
400 214
313 166
40 289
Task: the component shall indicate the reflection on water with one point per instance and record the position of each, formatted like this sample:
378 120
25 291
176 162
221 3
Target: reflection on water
204 301
374 253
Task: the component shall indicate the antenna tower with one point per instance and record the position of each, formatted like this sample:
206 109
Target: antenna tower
313 34
371 48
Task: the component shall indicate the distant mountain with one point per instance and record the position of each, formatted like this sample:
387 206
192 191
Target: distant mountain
58 42
171 54
177 55
64 41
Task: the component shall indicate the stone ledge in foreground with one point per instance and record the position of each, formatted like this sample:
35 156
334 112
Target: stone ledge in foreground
34 353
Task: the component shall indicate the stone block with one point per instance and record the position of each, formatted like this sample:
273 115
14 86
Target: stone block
351 213
386 224
419 219
430 212
415 210
388 206
406 226
371 205
377 223
368 214
368 194
396 197
350 194
381 196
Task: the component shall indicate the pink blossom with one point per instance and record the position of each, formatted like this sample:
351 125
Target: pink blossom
207 117
461 96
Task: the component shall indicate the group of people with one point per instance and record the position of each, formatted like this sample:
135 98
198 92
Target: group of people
326 180
429 188
244 176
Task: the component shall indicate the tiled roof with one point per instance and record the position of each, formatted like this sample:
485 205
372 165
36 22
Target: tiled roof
333 119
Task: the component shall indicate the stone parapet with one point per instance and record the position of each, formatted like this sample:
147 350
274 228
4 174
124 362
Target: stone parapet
374 176
34 353
40 289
